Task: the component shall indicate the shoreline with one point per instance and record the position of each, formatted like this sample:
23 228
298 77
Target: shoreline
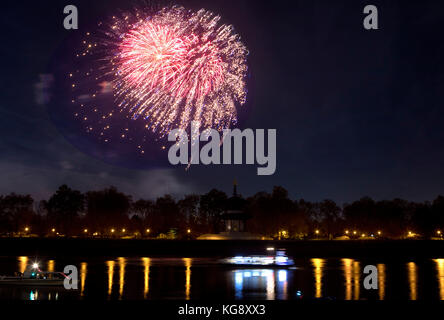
374 249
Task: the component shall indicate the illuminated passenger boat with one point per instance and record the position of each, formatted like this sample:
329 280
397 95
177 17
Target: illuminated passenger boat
279 260
34 277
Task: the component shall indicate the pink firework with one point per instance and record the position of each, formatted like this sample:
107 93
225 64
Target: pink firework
155 56
174 67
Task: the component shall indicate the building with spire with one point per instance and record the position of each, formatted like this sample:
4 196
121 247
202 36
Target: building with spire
234 219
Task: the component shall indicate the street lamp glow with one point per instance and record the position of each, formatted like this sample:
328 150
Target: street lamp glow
86 230
35 265
26 229
346 231
148 230
379 232
123 230
112 230
53 230
317 231
354 232
189 230
438 232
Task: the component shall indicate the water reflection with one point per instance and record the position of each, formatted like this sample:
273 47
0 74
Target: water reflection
50 265
339 281
23 263
282 285
381 280
33 295
122 264
318 265
83 268
110 265
146 274
412 278
356 279
347 269
261 281
187 262
352 275
440 277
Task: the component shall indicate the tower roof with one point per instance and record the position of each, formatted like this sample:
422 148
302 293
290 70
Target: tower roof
235 206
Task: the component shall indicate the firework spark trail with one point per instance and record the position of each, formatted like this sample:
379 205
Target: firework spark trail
174 67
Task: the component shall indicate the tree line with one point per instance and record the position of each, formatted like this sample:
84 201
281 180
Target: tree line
110 212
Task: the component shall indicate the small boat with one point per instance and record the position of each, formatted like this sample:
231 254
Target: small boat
279 259
33 276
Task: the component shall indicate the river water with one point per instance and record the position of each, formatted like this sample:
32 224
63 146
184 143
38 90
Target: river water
137 278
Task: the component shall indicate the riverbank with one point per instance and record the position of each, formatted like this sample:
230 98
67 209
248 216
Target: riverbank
201 248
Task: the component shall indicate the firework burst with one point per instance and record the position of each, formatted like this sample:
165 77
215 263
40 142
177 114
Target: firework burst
166 69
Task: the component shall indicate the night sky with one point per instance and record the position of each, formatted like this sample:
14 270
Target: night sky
357 112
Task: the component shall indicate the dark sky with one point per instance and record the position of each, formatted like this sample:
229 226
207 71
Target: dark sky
357 112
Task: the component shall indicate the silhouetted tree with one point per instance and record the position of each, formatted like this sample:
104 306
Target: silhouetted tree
16 212
63 209
329 211
271 213
281 209
275 212
259 207
145 209
212 204
438 212
311 212
298 222
167 215
422 219
4 219
362 213
137 225
107 208
189 209
394 215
